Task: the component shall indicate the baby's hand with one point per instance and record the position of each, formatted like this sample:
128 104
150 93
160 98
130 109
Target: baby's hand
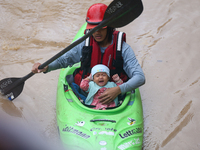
115 77
89 78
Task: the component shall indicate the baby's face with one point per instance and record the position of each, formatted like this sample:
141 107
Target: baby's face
100 78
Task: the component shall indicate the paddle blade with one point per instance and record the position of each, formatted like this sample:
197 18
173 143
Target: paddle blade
9 89
126 11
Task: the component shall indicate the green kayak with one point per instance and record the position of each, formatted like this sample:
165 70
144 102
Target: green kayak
83 128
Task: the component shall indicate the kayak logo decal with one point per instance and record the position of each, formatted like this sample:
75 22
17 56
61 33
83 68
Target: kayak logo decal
75 131
129 144
107 133
114 8
132 121
6 83
69 100
110 129
130 133
102 143
81 123
10 96
94 133
107 129
95 129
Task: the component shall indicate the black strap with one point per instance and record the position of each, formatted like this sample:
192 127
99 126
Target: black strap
86 60
118 62
86 56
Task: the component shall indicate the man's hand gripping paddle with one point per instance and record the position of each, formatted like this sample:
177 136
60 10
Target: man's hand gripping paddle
118 14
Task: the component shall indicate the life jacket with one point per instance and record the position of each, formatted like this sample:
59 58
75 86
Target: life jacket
112 57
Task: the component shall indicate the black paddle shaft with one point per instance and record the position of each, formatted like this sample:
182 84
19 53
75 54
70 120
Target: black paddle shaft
118 14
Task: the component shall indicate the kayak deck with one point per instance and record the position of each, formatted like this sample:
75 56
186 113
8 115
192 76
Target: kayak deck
81 127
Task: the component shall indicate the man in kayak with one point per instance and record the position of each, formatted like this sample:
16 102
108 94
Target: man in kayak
97 83
103 47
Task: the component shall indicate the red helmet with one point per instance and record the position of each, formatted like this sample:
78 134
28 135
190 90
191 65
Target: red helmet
95 15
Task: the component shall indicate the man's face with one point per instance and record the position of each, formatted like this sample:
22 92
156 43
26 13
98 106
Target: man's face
100 35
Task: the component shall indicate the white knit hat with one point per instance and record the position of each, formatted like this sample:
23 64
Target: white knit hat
100 68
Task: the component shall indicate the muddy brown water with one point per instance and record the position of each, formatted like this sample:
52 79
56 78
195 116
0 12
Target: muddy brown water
165 39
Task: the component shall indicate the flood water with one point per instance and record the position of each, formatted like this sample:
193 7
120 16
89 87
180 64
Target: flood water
165 39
